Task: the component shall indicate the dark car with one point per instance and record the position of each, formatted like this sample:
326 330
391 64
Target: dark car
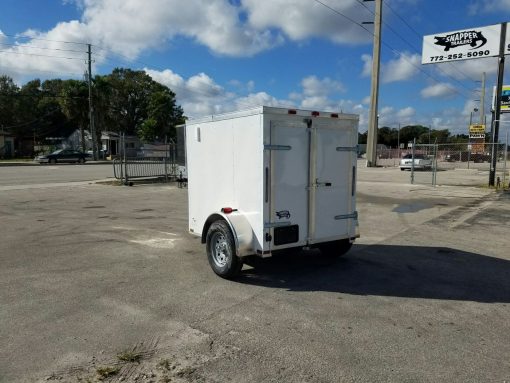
63 155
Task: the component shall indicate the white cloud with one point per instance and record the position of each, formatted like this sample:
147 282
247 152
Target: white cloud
302 19
367 65
489 6
199 95
406 113
438 90
313 86
131 27
404 68
389 116
318 93
468 69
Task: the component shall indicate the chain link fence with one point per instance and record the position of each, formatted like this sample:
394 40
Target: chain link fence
458 164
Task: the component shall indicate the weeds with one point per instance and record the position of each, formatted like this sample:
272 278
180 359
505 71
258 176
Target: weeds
107 371
129 356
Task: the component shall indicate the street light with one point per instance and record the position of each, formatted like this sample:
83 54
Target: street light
471 115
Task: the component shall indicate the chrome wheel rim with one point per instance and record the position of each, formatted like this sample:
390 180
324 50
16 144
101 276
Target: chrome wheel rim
219 249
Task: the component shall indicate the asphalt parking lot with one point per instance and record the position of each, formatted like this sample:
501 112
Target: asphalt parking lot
103 282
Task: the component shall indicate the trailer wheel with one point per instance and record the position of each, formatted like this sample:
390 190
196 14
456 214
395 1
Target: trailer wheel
335 248
221 251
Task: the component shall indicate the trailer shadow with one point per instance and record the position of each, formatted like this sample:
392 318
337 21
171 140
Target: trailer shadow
400 271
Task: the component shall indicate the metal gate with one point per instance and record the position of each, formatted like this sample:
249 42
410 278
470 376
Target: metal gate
153 163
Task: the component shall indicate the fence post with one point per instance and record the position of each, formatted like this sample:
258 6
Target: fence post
125 158
119 150
412 161
505 159
434 165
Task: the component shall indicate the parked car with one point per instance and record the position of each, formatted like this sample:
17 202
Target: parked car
63 155
467 156
421 162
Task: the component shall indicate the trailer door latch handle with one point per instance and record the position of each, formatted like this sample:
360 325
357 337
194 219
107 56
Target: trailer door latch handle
317 183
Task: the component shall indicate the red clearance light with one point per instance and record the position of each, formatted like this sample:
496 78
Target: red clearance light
227 210
315 114
292 111
334 115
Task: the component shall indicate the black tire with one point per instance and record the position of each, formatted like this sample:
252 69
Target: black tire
81 160
52 161
221 251
335 249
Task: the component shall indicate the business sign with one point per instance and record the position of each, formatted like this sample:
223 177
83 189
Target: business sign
462 45
505 99
477 131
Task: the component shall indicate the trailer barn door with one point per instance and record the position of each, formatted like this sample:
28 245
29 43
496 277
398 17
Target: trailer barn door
333 171
289 162
312 182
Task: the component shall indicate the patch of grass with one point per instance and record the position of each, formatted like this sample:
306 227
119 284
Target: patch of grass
107 371
129 356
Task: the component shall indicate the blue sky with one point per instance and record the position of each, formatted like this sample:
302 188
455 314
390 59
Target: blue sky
222 55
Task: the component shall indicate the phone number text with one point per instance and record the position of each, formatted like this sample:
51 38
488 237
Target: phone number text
459 56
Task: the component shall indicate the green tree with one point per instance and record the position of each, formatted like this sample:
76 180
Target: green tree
148 131
130 98
8 102
75 106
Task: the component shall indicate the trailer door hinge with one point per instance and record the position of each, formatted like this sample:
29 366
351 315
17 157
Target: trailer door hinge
277 147
347 216
269 225
347 148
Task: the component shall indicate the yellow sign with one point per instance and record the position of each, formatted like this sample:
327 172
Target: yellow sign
477 129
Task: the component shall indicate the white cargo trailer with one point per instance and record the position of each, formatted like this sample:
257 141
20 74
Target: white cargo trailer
268 179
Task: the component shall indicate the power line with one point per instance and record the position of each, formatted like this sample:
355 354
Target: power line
38 55
39 39
420 36
15 69
45 48
33 121
389 47
344 16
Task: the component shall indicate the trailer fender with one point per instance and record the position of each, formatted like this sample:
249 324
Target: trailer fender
240 227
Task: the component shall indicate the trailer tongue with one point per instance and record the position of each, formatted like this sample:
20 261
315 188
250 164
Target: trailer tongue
269 179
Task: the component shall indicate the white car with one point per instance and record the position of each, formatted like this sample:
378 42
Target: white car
421 162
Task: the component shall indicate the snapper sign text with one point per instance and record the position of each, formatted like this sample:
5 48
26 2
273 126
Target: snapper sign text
461 45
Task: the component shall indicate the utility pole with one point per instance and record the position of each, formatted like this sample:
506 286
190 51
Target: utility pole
497 112
374 91
91 108
482 101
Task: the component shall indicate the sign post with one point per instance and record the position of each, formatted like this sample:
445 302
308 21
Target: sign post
497 112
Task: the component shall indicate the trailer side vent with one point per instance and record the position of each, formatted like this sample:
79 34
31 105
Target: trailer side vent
292 111
315 114
334 115
286 234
